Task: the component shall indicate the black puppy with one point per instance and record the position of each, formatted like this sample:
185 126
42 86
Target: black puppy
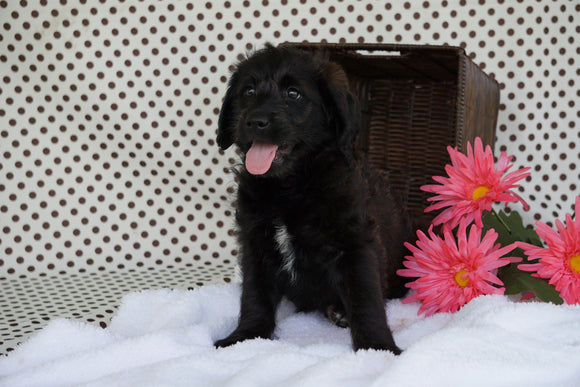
315 224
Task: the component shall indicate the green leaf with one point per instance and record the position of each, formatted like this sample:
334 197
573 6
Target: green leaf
516 230
517 281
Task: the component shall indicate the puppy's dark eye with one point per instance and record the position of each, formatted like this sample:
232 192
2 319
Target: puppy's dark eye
250 91
293 93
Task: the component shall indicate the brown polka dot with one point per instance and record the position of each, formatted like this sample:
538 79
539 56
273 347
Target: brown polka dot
108 114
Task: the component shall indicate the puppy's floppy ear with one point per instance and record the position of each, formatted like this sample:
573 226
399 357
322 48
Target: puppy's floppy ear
341 106
226 129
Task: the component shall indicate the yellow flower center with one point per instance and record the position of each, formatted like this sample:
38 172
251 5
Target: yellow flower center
479 192
575 263
461 281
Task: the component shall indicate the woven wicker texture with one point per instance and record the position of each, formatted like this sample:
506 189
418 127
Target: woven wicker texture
416 100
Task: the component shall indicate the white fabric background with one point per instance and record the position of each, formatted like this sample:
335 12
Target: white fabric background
108 113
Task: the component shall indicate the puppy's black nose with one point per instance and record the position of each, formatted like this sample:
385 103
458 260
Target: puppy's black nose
258 121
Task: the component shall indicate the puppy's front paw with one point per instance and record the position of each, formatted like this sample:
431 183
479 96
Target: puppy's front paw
237 336
225 342
379 345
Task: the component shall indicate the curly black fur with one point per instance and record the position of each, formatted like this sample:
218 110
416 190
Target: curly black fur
319 227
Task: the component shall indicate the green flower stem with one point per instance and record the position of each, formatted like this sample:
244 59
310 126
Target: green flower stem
501 221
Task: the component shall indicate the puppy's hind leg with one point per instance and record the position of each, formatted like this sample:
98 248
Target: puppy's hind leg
337 316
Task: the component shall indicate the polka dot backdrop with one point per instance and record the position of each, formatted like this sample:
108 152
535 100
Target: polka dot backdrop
108 113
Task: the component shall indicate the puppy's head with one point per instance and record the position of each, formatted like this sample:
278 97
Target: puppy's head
284 105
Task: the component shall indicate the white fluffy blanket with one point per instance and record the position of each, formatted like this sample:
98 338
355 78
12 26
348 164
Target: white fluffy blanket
164 338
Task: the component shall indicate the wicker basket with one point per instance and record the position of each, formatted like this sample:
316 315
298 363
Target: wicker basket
416 100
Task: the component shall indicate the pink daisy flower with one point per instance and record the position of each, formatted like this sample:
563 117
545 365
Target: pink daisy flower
473 185
451 273
560 261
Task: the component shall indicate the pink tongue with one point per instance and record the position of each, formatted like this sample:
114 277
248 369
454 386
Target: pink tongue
259 158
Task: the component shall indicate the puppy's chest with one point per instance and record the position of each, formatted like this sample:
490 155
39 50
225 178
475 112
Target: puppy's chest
302 256
286 247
